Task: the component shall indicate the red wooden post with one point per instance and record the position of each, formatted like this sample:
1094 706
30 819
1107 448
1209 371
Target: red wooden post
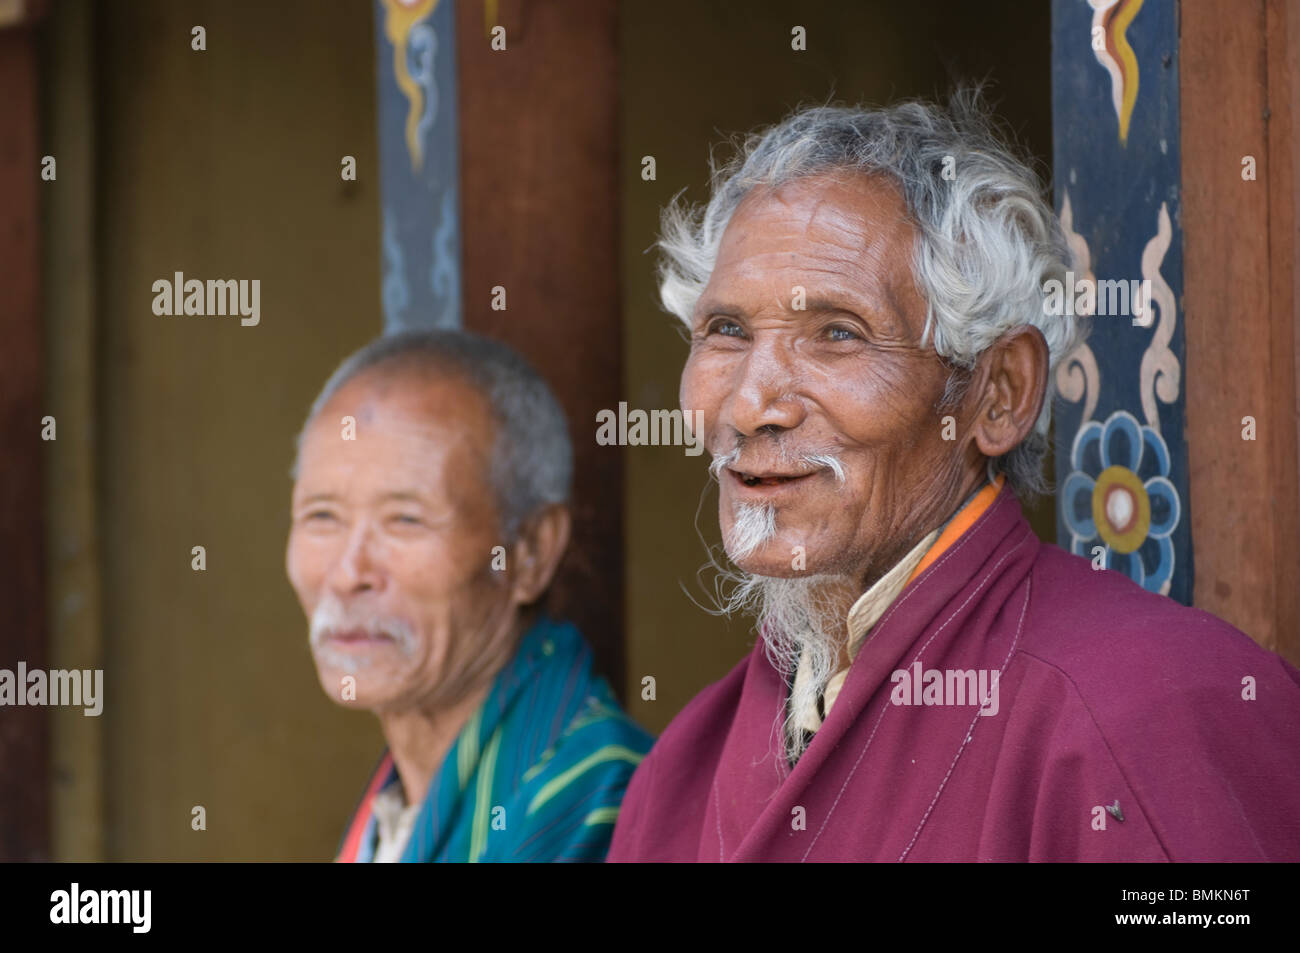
539 201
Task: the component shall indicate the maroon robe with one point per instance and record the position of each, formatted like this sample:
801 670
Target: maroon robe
1112 702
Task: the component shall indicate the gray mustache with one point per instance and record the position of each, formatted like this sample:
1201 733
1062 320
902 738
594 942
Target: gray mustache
819 460
331 617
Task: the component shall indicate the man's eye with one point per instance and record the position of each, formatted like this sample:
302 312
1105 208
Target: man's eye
406 520
320 516
840 333
727 328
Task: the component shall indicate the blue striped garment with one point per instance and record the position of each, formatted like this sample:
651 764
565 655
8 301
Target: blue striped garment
536 774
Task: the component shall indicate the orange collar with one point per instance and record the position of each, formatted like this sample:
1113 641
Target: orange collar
958 525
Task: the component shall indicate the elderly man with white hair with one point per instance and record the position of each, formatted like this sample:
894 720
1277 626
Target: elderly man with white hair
871 353
429 515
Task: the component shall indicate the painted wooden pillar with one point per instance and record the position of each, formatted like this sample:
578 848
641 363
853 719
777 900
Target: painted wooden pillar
499 141
419 157
1175 141
1121 448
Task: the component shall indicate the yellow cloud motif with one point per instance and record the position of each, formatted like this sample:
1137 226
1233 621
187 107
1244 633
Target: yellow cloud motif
401 16
1113 18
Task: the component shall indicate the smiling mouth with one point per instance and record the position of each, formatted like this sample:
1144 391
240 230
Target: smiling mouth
359 637
769 479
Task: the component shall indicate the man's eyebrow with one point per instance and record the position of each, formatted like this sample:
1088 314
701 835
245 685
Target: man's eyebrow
879 318
835 304
827 301
318 498
709 306
864 308
411 496
404 496
713 306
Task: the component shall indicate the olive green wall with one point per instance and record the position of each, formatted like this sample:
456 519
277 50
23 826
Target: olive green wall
224 164
693 73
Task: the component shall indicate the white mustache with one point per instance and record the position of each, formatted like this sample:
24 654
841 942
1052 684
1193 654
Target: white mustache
820 460
331 617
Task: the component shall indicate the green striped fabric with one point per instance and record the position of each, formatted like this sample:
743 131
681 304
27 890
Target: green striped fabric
539 770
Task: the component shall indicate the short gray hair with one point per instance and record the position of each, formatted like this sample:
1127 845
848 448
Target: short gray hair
987 238
532 459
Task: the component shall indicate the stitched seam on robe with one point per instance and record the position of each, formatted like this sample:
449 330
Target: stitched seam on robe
970 731
983 582
915 584
880 625
717 812
812 721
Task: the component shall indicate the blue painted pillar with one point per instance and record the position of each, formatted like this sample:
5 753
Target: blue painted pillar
1121 451
415 61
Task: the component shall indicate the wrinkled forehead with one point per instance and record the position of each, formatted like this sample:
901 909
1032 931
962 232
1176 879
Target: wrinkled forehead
839 233
827 198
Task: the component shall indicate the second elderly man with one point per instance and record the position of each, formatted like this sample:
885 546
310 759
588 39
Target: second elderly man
430 511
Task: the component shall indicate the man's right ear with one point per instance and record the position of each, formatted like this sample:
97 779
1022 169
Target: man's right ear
537 552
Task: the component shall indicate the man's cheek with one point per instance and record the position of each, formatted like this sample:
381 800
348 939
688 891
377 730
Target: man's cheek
699 410
687 397
301 576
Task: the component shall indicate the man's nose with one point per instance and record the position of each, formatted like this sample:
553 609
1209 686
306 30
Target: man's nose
764 397
359 567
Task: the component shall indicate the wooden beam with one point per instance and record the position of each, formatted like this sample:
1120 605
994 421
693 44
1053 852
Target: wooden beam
1237 69
1282 34
539 212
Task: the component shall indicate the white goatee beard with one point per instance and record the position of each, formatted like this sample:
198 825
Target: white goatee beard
801 617
797 618
752 525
